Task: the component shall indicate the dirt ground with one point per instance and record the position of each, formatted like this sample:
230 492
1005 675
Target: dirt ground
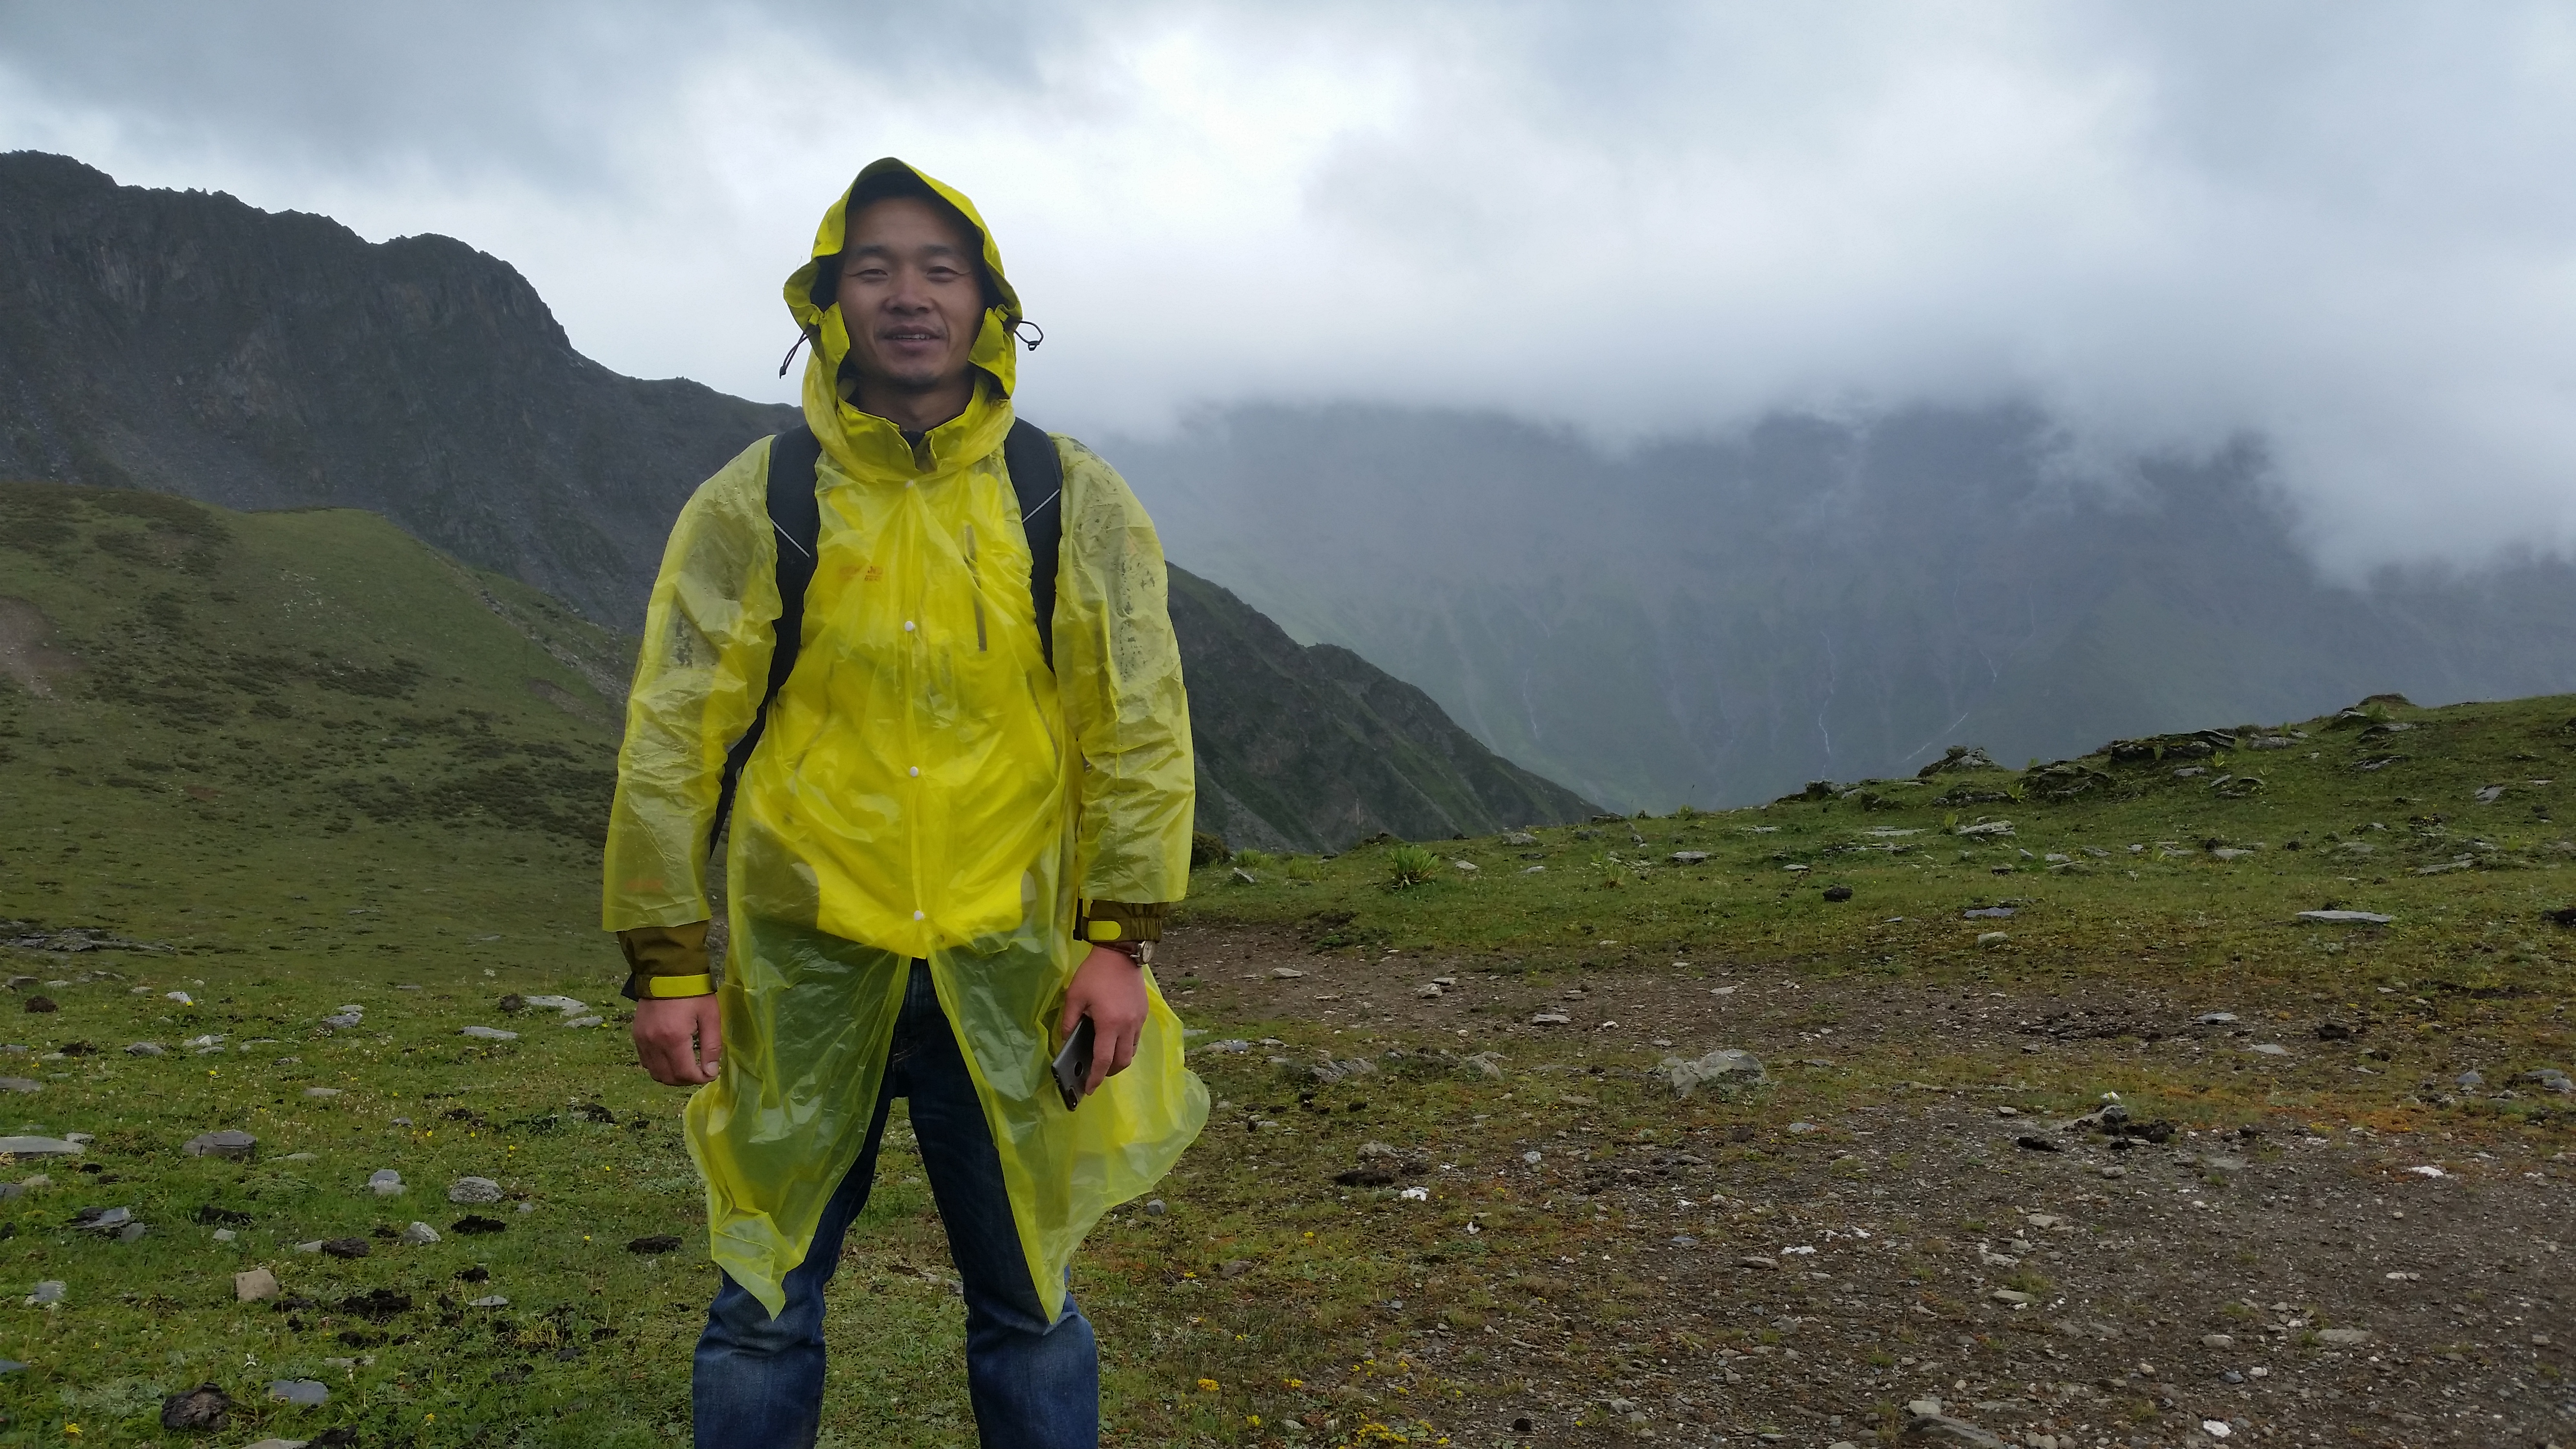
2316 1250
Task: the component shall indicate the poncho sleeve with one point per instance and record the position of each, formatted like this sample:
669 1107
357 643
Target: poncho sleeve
1118 671
699 674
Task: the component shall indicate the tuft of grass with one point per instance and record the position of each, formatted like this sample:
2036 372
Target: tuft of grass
1408 866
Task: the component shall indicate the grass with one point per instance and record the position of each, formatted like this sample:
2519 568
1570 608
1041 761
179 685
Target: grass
289 762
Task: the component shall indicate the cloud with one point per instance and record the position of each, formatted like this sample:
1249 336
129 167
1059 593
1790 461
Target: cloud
2338 228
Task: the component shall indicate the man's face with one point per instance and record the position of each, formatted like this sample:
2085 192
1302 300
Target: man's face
911 296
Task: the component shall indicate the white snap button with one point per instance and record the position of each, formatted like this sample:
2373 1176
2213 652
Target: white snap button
916 770
907 626
917 915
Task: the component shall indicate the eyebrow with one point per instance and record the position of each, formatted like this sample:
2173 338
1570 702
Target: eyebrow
880 249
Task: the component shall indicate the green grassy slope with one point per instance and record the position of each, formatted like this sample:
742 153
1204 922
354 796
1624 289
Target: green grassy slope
323 717
2180 856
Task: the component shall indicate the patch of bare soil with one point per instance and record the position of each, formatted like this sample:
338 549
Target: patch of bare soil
1922 1230
25 656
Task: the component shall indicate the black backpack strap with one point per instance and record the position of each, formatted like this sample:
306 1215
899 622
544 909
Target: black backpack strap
1037 476
796 516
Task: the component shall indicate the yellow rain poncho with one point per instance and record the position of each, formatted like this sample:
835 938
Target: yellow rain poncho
926 786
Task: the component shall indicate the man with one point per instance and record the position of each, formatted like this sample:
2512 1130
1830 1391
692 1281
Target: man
946 850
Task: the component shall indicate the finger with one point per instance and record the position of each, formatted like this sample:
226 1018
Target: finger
1074 1006
1128 1039
710 1036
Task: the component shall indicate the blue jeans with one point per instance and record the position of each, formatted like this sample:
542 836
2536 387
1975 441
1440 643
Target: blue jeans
757 1382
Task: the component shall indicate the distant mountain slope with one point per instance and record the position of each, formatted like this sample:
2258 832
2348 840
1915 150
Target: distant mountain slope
188 693
1716 621
1310 748
188 343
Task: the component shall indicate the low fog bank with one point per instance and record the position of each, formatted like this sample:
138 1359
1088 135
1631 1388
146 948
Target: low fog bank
1716 622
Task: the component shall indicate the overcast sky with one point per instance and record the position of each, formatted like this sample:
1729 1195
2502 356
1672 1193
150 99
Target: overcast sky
2346 227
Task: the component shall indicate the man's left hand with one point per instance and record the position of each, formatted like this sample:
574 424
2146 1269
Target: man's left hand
1110 989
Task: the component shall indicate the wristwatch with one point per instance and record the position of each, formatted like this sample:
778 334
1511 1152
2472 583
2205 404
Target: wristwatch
1140 952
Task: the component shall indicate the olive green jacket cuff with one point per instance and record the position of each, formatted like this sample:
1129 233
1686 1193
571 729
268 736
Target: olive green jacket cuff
662 951
1135 920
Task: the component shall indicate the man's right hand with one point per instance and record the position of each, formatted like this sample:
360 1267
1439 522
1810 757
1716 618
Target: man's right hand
678 1039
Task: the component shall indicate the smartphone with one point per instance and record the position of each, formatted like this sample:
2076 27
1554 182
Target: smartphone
1073 1064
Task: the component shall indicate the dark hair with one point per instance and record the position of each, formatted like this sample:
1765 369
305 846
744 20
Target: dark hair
885 186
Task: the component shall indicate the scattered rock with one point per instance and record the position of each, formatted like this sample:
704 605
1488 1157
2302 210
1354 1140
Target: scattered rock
2033 1142
254 1284
1429 991
1726 1066
2012 1297
2269 1049
474 1225
2217 1340
2471 1080
473 1190
41 1004
347 1247
307 1393
564 1004
419 1235
1154 1208
39 1147
1551 1018
102 1220
656 1244
1838 893
20 1084
322 1092
146 1049
199 1409
1942 1429
49 1291
489 1300
2345 1336
2215 1018
231 1142
1689 857
487 1033
1988 913
385 1182
1992 938
1757 1261
2339 918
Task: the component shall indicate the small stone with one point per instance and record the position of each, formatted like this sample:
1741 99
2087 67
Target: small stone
146 1049
1154 1208
281 1444
253 1284
385 1182
342 1020
307 1393
314 1246
2269 1049
487 1033
1428 992
49 1291
20 1084
1838 893
2217 1340
225 1235
2033 1142
2470 1081
1755 1260
180 997
1991 939
420 1235
1533 1158
473 1190
322 1092
39 1147
199 1409
1689 857
1551 1018
2115 1172
1801 1129
488 1300
2335 918
2345 1336
1942 1429
231 1142
564 1004
2215 1018
1726 1065
579 1021
131 1232
2012 1297
347 1247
